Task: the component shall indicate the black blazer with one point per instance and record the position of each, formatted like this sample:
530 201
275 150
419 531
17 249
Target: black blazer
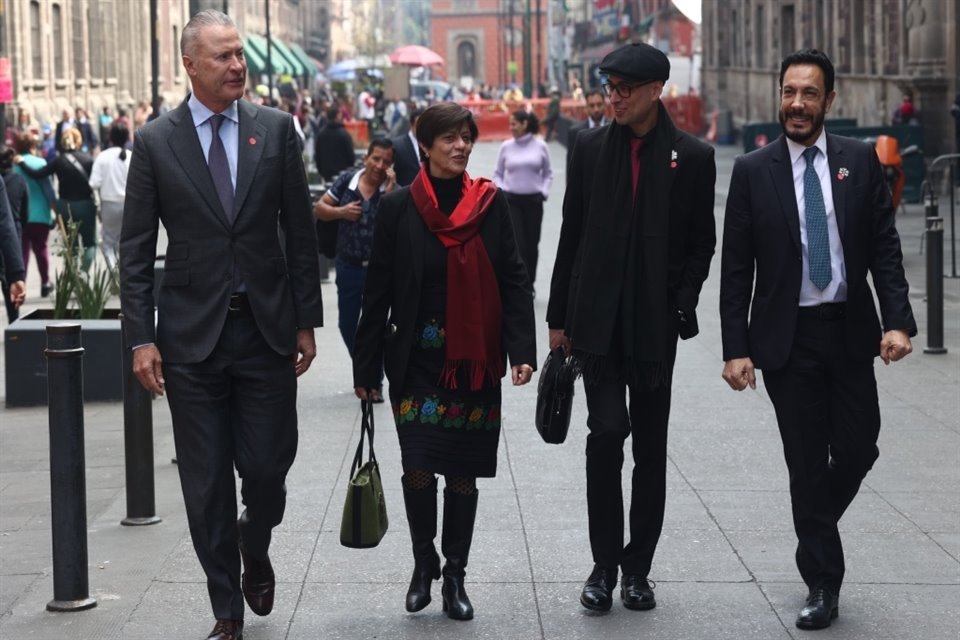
391 294
406 159
761 240
169 182
692 231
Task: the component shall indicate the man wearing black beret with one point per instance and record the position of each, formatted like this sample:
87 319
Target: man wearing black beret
635 247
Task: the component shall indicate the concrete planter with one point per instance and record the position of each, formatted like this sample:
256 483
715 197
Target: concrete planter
26 366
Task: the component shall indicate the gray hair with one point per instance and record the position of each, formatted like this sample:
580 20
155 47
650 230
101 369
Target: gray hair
206 18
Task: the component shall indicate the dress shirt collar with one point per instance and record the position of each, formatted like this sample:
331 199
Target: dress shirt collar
796 149
355 181
201 113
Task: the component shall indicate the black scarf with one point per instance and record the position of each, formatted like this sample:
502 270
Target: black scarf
620 325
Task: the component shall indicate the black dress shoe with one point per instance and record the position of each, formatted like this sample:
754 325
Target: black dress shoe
597 593
822 607
636 593
227 630
258 583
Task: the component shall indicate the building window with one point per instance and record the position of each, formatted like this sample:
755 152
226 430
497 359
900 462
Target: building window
735 39
787 27
176 54
107 26
36 42
56 18
76 38
466 59
96 42
759 41
857 45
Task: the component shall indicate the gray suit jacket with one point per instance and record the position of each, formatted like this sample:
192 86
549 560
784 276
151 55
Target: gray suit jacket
271 241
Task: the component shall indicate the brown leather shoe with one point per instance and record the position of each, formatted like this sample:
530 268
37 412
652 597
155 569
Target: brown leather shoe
227 630
258 583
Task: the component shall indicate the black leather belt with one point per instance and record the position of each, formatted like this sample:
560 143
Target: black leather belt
239 304
827 311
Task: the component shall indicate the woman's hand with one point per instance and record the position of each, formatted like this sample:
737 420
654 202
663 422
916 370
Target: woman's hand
522 373
361 393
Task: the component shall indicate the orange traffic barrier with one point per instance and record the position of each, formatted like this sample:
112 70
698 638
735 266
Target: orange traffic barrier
360 133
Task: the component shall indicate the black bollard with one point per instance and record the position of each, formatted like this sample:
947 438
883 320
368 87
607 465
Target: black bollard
68 488
934 283
137 444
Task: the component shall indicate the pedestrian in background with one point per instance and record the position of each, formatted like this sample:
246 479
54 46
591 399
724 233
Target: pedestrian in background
523 172
239 299
75 202
635 247
12 270
333 150
353 200
446 281
795 302
406 161
109 178
36 230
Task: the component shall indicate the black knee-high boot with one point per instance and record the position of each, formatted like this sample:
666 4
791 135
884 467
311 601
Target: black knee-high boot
422 515
459 513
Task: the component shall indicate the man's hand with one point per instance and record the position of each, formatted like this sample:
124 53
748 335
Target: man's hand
894 346
18 293
391 180
306 350
558 338
522 373
148 367
739 373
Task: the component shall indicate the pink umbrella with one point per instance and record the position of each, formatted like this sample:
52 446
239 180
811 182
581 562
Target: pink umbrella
415 55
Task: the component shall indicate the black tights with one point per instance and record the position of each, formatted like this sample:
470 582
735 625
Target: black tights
418 479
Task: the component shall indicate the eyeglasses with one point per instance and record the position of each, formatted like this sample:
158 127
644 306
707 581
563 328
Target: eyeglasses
623 88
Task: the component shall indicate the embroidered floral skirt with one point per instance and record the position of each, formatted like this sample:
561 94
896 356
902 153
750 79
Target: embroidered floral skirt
446 431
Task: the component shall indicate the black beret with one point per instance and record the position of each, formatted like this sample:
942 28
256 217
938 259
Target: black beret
637 61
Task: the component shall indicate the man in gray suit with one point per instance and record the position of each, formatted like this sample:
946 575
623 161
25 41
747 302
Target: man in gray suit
239 300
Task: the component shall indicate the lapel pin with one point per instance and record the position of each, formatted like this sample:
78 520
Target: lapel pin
843 173
673 159
252 141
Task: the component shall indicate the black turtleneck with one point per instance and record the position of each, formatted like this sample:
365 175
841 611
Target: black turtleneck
449 192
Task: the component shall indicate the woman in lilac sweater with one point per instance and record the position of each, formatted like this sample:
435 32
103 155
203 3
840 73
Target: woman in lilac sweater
523 173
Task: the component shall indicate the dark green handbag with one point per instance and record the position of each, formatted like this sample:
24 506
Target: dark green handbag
365 511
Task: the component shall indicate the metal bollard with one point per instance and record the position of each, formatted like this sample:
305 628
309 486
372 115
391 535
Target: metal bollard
68 488
137 443
934 235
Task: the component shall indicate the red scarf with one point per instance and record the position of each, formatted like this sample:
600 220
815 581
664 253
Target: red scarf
473 296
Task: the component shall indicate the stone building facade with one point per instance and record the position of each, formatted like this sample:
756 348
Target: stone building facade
881 49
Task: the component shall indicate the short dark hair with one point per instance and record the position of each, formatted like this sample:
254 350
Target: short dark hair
415 115
6 158
440 118
593 92
810 56
381 143
528 119
333 113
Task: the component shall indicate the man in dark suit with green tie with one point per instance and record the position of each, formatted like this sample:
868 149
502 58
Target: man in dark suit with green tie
807 217
238 303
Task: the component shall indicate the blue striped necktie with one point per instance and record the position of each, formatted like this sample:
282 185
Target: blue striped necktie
815 212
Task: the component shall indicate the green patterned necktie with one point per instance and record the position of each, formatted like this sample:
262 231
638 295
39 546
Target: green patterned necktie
815 212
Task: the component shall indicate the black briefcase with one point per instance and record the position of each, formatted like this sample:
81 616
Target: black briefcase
555 396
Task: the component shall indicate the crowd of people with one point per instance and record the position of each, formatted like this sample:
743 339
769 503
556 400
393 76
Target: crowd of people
435 271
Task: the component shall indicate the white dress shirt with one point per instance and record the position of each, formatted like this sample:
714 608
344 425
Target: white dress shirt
836 291
229 132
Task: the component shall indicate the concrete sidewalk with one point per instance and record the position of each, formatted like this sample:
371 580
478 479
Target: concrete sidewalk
724 567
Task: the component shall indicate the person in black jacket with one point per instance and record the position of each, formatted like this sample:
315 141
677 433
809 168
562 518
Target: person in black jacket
12 272
446 280
334 147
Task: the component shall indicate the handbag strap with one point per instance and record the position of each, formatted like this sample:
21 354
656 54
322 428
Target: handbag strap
366 431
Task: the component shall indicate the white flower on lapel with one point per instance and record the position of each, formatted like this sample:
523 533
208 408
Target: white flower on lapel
843 173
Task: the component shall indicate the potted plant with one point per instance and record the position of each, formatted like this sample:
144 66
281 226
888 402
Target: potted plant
79 296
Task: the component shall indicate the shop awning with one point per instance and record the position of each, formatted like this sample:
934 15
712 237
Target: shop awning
297 69
258 44
255 63
304 59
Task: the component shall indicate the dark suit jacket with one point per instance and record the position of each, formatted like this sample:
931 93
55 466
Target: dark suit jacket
391 294
169 182
406 159
761 238
333 150
692 232
572 133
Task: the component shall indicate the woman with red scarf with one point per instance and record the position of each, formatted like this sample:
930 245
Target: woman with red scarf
446 300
